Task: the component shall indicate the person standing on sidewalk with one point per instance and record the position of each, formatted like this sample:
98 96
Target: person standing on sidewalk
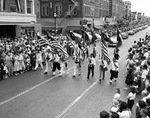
91 65
114 70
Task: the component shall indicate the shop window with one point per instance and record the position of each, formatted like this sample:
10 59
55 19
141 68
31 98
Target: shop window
58 9
29 6
13 6
45 9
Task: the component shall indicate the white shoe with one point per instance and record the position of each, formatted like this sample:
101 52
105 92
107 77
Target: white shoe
53 74
110 82
74 76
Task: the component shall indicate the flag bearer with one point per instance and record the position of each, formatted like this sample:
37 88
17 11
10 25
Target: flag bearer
91 65
114 70
49 58
102 69
56 64
77 66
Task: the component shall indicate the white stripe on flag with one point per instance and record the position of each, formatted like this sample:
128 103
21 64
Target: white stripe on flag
77 35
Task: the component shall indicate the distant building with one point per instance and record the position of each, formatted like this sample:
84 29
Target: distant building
17 17
72 14
139 16
127 10
116 8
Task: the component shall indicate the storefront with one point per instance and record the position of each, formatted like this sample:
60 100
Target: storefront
8 31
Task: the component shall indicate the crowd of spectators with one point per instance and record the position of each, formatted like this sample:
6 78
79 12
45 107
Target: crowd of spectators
20 55
138 80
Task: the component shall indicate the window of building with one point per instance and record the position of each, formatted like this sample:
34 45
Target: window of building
29 6
13 6
74 12
45 9
58 9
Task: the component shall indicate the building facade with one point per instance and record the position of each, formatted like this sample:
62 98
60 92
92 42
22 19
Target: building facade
116 8
127 10
71 13
17 17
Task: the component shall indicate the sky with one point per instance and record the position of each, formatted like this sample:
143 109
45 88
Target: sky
140 6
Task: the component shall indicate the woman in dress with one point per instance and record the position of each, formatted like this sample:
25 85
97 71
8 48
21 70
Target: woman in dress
16 64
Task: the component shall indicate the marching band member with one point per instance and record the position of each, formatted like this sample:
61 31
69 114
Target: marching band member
56 64
49 57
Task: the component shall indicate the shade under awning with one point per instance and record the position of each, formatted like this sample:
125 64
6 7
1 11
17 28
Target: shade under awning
98 27
86 28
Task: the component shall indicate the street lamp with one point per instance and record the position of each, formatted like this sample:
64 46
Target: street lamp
55 15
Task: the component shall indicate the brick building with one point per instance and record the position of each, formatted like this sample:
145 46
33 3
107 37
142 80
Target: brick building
16 17
127 10
71 13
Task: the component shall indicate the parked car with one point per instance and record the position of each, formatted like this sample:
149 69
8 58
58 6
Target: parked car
114 42
124 35
131 32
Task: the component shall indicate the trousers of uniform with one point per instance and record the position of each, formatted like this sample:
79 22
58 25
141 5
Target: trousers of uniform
90 70
56 65
77 67
113 74
38 63
48 64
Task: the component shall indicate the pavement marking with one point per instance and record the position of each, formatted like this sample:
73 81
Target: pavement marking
81 95
28 90
76 100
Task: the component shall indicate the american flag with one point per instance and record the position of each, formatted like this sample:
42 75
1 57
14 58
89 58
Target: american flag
58 47
73 45
42 41
104 51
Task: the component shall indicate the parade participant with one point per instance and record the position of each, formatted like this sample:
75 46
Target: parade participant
56 64
64 64
91 65
116 53
49 58
94 51
102 69
38 60
77 66
114 70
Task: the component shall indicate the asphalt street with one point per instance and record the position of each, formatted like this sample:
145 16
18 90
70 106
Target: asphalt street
36 95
